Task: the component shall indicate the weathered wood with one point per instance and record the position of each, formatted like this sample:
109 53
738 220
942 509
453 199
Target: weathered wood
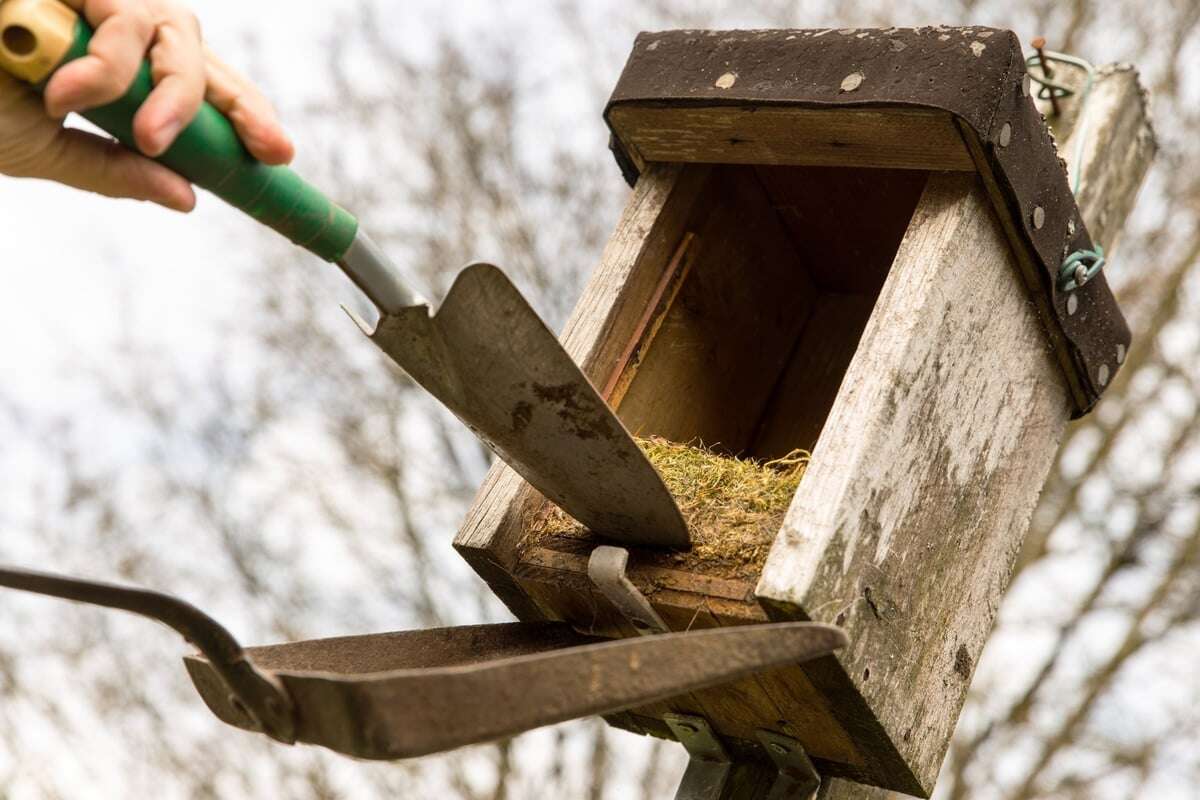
857 137
893 533
926 472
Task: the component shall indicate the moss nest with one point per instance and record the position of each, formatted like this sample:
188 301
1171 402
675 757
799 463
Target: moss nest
733 506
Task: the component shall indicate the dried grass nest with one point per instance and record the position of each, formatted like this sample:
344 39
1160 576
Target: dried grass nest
733 506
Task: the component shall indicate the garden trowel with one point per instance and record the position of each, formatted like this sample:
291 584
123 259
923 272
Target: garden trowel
484 352
400 695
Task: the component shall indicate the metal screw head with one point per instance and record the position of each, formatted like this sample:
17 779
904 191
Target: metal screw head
1071 226
687 727
778 748
1102 374
1081 275
1039 217
727 80
1120 354
1005 135
1025 83
1072 304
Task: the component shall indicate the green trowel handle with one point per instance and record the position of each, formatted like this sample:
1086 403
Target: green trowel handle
208 152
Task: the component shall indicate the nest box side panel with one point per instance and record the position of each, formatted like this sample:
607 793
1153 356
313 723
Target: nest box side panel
921 638
906 526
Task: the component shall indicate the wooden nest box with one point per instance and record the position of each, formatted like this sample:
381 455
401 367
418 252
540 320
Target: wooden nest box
848 242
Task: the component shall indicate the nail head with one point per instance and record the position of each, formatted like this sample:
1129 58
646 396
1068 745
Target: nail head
1072 304
1039 217
1005 135
852 81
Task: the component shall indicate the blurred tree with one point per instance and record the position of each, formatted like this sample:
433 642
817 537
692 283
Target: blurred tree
300 486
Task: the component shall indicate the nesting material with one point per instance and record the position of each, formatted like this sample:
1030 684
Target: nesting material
733 507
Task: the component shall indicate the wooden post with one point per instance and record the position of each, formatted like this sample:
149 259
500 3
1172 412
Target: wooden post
887 480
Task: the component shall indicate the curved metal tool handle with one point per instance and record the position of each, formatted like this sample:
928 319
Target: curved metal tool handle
258 695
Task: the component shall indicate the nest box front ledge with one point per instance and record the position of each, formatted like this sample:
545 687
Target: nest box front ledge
831 245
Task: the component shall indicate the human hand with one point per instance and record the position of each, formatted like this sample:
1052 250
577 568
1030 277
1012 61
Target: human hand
34 143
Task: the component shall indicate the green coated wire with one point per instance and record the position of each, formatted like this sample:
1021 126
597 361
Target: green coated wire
1082 265
1051 88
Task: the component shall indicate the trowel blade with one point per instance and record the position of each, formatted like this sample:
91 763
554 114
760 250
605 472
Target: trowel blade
490 359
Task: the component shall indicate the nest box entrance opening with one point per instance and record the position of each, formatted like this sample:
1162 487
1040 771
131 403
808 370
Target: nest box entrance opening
762 301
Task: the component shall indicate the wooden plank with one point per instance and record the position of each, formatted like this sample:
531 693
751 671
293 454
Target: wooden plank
1119 150
784 700
906 526
843 137
927 471
845 222
801 401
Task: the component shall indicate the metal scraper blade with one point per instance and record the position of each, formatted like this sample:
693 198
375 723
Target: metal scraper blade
490 359
413 693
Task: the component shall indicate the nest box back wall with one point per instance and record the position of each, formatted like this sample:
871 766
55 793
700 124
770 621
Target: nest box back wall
771 277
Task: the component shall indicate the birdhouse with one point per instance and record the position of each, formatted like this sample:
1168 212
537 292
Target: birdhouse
861 244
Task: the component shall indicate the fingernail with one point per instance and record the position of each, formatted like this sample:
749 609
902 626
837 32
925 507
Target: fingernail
164 137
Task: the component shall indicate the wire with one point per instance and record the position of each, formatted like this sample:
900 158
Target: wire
1051 88
1082 265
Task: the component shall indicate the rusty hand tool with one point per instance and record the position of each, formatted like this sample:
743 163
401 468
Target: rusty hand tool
412 693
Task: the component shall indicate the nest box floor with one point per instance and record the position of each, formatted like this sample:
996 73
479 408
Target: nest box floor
733 507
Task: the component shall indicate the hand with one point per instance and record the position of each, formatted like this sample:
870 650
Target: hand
34 143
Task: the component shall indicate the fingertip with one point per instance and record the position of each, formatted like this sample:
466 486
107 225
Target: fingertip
167 189
270 146
155 136
281 151
57 95
178 199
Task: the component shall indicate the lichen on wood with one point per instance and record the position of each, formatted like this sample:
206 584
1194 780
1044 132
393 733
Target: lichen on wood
733 506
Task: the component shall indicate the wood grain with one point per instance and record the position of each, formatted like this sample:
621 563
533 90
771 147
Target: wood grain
727 337
843 137
908 522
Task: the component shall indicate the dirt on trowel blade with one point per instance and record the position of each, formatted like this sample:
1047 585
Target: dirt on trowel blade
491 360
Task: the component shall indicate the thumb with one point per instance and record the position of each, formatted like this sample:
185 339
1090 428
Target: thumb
99 164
